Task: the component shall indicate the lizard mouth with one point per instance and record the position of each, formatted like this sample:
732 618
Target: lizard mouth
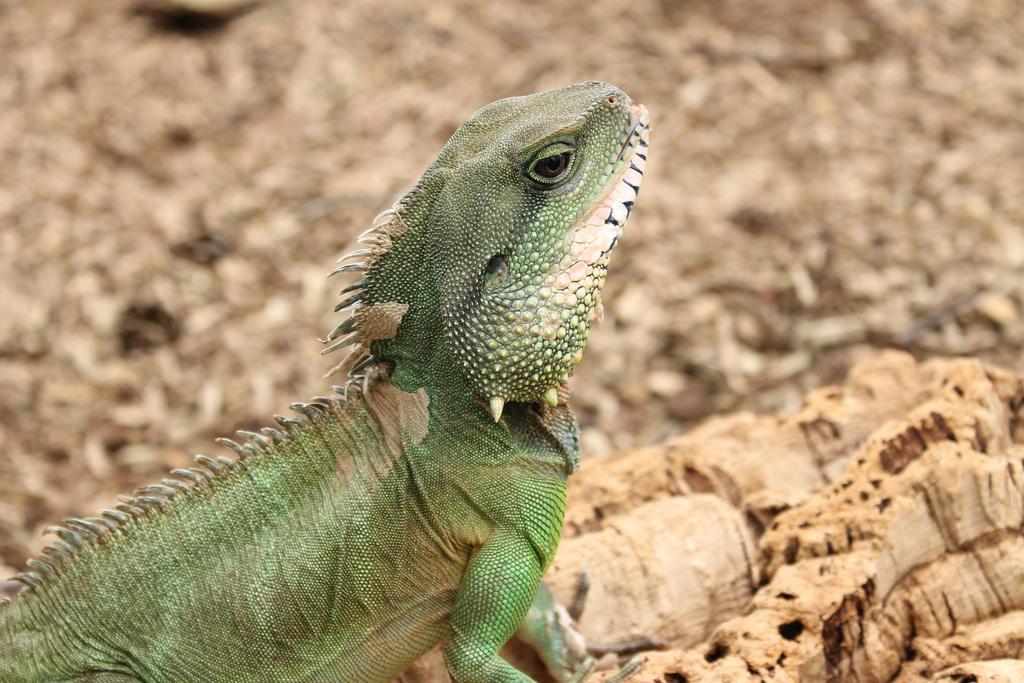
582 271
633 160
593 239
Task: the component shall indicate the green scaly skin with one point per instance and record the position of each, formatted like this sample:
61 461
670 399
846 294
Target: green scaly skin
425 505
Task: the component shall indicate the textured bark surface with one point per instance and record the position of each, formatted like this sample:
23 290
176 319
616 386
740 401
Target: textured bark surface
891 545
873 535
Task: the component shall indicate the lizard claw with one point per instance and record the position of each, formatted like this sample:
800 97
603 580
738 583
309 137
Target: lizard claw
625 672
583 671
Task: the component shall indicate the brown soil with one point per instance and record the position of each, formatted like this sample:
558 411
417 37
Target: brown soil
826 178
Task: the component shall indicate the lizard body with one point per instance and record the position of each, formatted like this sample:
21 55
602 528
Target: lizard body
422 506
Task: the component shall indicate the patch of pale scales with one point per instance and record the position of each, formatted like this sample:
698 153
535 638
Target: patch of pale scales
380 321
633 177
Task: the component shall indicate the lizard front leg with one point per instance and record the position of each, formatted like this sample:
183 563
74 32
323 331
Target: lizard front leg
496 591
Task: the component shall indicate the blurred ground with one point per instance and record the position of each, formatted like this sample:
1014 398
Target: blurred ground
825 178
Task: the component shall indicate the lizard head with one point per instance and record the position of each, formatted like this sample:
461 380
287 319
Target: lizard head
500 251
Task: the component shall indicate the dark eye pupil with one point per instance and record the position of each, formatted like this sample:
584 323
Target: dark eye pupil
553 166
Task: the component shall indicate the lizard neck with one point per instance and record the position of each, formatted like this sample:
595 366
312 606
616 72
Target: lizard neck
418 352
525 430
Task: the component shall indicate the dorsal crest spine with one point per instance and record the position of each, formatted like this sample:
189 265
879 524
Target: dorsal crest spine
368 320
77 534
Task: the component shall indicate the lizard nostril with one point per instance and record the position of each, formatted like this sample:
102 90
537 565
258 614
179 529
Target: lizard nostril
611 99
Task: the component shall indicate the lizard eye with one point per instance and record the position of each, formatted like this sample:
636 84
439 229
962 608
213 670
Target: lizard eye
551 165
496 271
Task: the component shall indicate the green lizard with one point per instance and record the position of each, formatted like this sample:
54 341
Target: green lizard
423 504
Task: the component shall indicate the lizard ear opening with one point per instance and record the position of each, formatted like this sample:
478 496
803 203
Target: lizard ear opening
496 272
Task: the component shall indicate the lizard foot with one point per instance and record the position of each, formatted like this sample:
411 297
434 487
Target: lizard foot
549 629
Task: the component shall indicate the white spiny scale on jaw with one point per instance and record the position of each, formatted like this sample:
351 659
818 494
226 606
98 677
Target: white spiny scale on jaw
497 405
551 396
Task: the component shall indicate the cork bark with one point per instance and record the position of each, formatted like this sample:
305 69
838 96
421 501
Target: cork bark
873 535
